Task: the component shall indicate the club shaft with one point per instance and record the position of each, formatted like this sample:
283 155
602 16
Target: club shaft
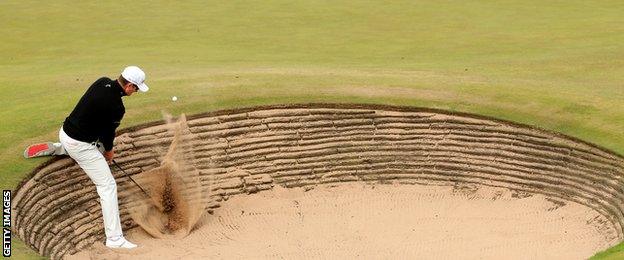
124 172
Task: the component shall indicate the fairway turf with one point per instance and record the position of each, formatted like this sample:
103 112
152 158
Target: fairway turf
556 65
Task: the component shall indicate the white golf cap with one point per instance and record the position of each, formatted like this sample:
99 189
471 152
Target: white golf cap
136 76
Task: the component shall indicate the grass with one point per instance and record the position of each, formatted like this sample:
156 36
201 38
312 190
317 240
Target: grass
614 253
555 64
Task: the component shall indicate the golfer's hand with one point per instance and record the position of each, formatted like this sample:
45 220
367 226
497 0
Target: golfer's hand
108 155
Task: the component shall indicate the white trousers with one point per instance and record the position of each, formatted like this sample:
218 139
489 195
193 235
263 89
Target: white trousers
92 162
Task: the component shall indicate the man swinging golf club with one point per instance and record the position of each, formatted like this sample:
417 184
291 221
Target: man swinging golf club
87 137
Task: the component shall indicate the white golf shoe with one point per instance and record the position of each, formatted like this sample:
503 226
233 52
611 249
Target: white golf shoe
38 150
120 242
45 149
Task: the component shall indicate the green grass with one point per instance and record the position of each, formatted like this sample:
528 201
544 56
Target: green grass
614 253
558 65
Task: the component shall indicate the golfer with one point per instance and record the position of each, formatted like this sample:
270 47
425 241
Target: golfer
87 137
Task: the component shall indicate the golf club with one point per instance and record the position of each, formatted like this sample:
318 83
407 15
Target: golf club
124 172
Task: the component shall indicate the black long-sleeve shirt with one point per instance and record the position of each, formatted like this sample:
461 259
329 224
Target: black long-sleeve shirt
97 114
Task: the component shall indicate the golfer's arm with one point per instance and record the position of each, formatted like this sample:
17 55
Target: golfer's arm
109 134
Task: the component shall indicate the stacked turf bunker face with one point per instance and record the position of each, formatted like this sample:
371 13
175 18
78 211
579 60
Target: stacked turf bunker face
248 150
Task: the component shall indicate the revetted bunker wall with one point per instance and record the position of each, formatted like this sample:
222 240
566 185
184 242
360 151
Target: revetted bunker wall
247 150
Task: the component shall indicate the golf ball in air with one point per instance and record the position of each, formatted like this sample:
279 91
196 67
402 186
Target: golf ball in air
174 98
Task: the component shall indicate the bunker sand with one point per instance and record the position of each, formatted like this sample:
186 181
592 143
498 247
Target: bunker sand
383 221
248 153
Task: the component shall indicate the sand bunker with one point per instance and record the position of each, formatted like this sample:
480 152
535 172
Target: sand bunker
534 192
382 222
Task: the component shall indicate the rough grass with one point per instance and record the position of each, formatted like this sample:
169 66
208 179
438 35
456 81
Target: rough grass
557 64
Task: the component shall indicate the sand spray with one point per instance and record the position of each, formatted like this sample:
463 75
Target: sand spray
177 197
